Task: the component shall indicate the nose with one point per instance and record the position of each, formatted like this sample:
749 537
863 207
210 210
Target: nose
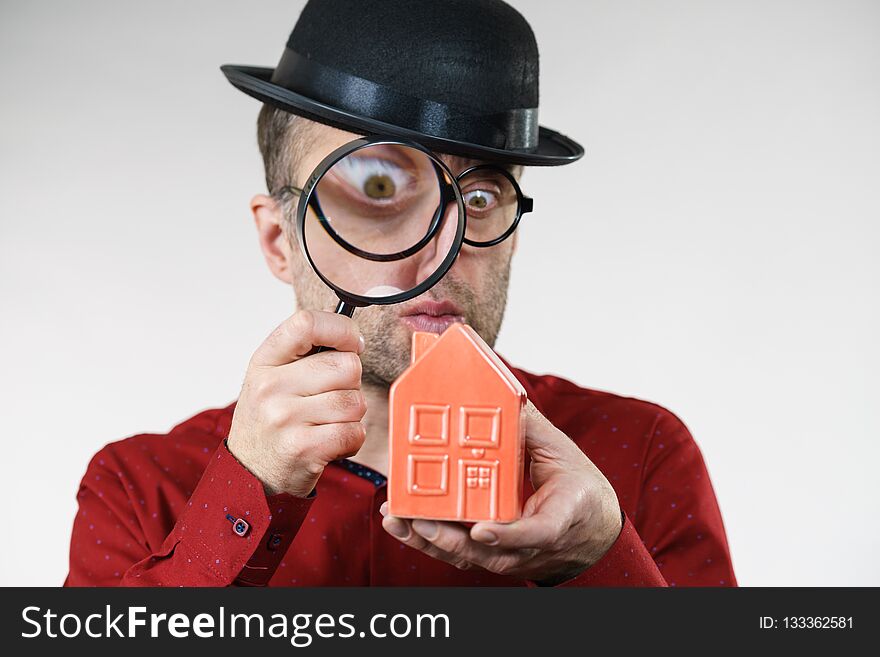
436 251
417 268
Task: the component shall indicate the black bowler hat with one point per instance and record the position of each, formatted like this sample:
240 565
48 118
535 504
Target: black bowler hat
459 76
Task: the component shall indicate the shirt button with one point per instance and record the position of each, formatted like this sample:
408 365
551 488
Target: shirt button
274 542
240 526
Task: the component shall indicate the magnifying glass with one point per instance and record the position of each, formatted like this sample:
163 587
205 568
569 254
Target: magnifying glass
380 221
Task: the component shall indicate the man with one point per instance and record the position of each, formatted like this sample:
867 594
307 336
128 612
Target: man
287 486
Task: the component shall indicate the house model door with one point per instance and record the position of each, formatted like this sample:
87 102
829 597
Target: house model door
479 437
478 494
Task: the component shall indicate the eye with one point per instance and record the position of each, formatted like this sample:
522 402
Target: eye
377 179
480 201
379 186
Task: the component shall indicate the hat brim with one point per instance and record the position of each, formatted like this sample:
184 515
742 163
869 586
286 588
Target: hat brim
553 148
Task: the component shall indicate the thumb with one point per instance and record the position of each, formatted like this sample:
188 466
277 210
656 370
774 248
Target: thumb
544 441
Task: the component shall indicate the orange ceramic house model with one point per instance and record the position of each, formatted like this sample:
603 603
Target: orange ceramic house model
456 432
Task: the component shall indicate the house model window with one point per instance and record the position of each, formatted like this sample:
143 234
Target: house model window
429 424
480 426
428 475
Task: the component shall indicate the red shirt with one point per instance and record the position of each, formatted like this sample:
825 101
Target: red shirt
161 510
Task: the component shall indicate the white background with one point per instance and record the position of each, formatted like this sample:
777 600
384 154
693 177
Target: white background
716 251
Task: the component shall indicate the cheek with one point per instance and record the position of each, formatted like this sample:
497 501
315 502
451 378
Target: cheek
479 267
310 291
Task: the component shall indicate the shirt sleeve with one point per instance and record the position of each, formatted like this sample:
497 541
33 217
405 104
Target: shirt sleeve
676 537
229 533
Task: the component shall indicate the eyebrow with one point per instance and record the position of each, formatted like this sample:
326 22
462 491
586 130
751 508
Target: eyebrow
459 163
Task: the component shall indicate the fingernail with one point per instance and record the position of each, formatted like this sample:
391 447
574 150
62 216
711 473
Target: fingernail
485 536
426 529
384 509
398 528
361 344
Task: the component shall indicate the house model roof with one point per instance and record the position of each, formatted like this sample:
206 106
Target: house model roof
426 347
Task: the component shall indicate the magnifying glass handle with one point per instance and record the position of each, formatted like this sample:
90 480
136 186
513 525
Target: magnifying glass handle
342 308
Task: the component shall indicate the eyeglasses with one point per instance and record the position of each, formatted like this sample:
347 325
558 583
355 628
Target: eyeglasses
493 201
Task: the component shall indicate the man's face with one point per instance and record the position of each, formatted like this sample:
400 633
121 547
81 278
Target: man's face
474 290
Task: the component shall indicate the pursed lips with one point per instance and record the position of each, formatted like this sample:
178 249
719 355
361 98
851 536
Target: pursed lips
431 316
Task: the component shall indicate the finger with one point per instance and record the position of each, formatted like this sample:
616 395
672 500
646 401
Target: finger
540 432
541 530
401 529
333 441
333 406
546 443
454 539
323 372
297 335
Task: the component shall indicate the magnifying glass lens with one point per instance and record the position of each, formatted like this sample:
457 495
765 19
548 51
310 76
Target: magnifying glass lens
382 223
380 200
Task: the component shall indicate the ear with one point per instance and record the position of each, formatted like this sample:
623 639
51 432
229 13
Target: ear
269 220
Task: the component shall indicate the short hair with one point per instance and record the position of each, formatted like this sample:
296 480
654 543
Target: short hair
283 138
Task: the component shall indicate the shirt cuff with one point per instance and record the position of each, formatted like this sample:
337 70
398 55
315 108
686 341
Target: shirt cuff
234 530
627 563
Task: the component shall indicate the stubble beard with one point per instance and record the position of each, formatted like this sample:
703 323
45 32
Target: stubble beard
388 338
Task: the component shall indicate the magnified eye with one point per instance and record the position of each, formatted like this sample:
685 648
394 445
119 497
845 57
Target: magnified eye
479 200
380 186
377 179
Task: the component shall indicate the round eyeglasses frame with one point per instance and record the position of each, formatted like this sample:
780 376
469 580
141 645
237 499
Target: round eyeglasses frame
524 204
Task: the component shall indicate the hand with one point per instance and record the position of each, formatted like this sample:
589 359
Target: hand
297 412
568 524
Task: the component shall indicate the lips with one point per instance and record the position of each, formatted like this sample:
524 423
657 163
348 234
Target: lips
431 316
